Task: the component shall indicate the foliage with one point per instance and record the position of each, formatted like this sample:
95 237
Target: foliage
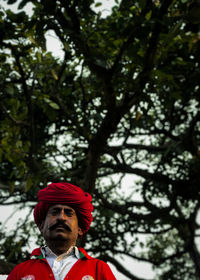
122 103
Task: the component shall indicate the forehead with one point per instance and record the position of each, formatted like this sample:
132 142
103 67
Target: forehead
61 206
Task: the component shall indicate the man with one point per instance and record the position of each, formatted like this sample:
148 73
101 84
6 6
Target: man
62 214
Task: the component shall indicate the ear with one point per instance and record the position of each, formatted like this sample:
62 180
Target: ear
41 226
80 232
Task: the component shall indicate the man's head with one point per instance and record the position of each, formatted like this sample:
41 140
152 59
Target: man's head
61 223
63 212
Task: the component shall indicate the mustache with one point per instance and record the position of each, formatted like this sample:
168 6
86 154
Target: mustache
60 223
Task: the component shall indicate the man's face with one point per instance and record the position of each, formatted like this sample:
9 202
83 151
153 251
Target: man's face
61 223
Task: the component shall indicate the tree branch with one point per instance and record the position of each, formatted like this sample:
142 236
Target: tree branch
121 267
28 99
149 148
156 213
16 122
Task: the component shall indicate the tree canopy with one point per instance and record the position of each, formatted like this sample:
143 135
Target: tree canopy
118 115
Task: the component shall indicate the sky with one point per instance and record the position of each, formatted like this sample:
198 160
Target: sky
140 269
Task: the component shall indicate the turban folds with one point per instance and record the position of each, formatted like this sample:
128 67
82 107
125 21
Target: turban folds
65 193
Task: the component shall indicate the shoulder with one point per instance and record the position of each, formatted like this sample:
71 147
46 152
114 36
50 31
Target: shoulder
15 273
104 271
36 253
102 268
84 254
27 265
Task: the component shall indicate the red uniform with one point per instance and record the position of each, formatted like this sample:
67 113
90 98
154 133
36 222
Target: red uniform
86 268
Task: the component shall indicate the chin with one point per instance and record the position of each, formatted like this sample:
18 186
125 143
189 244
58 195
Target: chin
63 234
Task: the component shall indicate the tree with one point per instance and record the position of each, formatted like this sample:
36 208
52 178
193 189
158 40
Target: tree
124 101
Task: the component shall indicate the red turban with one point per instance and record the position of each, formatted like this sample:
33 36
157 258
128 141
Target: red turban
65 193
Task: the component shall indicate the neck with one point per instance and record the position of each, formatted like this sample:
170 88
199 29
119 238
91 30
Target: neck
59 247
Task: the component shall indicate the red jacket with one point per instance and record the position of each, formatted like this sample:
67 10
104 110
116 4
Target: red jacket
37 268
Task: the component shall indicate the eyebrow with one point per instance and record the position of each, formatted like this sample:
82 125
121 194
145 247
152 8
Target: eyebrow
66 210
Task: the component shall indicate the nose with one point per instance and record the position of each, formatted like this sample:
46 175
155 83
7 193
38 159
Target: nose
61 216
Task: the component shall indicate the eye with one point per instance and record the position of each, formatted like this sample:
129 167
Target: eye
69 212
54 211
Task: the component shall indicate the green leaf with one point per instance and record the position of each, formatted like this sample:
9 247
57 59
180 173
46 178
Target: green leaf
98 4
10 2
54 105
51 103
148 15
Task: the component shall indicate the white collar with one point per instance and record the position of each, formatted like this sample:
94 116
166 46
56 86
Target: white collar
73 250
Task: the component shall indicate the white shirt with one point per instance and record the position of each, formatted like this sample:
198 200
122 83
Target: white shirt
61 264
